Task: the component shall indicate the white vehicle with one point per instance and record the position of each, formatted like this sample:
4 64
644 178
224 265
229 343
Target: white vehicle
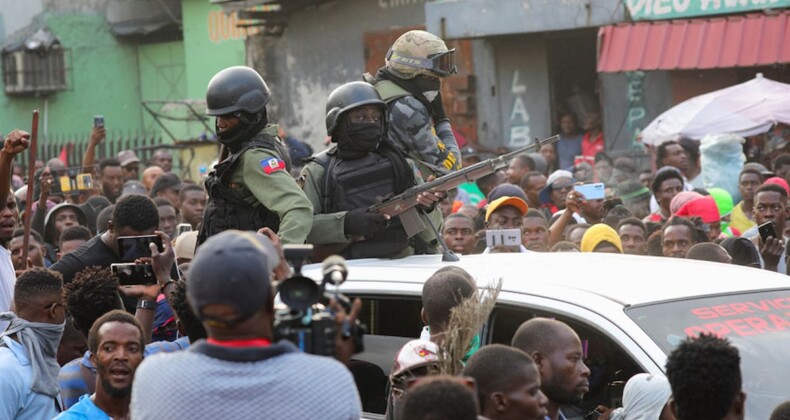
629 311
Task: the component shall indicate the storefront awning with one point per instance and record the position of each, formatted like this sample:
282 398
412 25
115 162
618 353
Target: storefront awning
732 41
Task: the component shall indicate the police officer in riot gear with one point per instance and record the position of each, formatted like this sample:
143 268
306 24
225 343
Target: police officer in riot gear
251 186
359 168
410 84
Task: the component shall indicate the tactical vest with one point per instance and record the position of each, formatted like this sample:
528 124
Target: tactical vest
358 183
229 208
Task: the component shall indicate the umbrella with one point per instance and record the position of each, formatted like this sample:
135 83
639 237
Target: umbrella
746 109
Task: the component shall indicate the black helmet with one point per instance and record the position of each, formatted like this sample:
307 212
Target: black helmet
235 89
349 96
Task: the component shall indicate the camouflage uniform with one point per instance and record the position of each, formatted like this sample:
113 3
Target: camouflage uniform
431 144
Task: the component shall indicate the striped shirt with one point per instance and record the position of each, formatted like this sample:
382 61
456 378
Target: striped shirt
72 381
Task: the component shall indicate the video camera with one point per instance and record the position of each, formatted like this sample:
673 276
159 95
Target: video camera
306 319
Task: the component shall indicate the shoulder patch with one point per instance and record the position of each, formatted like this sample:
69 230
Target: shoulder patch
270 165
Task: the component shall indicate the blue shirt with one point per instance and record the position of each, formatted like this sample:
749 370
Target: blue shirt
84 409
17 401
567 150
72 382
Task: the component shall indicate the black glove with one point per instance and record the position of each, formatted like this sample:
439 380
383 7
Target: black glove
437 109
364 223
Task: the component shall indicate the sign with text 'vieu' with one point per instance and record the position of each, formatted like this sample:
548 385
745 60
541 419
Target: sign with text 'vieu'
674 9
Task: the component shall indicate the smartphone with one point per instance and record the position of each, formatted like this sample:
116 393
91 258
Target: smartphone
503 237
98 121
84 182
130 274
595 191
66 184
766 229
183 228
133 247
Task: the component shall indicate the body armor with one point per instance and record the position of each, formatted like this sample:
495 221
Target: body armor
359 183
229 205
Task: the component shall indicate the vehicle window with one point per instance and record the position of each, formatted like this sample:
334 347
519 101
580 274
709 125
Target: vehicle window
391 323
757 323
610 365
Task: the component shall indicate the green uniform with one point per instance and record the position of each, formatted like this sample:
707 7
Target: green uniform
261 178
328 228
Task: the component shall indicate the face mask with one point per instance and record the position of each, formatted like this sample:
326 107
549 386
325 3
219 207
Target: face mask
363 138
429 86
430 95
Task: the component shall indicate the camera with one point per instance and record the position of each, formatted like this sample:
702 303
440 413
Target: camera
130 274
306 318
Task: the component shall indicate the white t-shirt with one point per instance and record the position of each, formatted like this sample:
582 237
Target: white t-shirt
7 282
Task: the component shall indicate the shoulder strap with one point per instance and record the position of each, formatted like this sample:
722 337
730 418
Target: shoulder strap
389 91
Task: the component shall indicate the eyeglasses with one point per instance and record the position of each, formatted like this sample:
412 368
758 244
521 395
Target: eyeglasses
442 63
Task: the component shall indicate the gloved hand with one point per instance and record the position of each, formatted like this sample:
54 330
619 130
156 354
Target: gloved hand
437 110
364 223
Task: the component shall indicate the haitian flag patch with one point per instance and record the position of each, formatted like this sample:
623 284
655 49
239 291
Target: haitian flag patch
272 164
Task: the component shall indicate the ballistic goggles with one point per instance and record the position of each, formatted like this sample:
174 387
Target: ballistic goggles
443 64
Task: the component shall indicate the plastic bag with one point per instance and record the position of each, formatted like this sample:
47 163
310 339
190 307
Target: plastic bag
722 160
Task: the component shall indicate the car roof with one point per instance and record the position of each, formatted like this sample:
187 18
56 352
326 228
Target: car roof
625 279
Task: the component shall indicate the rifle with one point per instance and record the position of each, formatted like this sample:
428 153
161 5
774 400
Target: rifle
404 204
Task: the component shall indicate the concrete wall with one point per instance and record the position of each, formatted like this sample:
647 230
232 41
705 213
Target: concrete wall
321 49
522 89
630 102
212 42
478 18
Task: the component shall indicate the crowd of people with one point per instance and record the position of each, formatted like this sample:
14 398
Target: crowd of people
80 337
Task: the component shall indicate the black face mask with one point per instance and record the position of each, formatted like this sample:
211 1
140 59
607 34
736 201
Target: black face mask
356 140
428 86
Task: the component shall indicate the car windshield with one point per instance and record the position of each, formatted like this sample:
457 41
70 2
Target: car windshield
757 323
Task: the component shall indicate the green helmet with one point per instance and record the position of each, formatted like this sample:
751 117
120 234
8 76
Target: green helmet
420 52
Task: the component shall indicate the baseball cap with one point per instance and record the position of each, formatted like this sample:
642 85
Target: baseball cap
165 181
185 245
545 193
127 156
500 202
133 187
508 190
415 354
230 268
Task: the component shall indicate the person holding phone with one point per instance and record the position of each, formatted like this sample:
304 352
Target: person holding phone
770 206
504 214
133 215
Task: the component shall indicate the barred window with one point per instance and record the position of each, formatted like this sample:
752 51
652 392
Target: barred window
34 71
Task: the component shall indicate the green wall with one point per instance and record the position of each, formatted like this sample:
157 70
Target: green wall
163 78
211 42
103 79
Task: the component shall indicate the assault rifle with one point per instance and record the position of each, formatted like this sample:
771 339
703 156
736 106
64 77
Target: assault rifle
404 204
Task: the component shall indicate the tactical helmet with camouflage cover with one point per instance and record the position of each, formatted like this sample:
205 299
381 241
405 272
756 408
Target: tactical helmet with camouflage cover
419 52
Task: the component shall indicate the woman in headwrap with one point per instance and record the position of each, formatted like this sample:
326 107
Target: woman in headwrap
601 238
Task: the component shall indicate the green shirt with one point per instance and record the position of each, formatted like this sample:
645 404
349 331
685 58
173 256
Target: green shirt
278 192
